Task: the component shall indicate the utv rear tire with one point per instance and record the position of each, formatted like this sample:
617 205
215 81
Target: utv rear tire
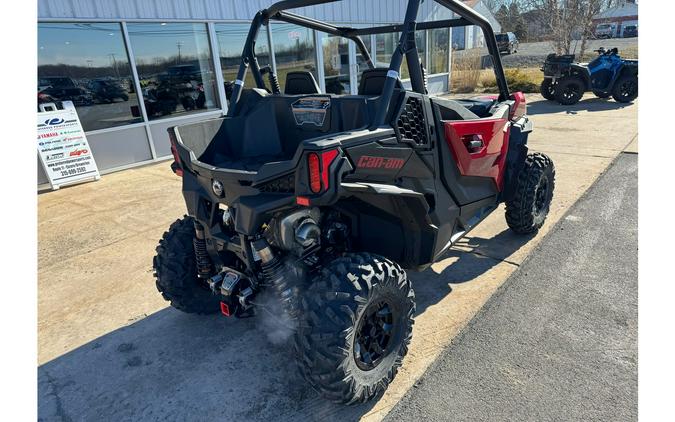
527 210
625 89
547 89
569 90
175 269
355 327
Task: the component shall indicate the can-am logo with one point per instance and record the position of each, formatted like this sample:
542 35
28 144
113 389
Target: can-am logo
78 152
369 162
55 121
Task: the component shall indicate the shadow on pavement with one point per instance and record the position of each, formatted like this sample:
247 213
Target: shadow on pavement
591 104
177 366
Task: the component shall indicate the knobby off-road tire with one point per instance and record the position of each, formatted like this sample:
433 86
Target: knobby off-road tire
175 269
625 89
527 210
547 89
355 327
569 90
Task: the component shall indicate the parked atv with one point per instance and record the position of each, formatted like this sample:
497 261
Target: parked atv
608 74
321 200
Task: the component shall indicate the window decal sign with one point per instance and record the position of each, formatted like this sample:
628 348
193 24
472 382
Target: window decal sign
63 148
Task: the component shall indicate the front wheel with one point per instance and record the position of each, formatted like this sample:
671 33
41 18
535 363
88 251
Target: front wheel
527 210
625 89
175 269
355 327
569 90
547 89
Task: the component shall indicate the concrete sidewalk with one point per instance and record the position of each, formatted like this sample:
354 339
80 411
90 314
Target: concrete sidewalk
109 348
559 340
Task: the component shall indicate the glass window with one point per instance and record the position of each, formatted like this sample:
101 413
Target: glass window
293 50
384 48
336 64
459 38
86 63
231 38
361 63
174 65
420 41
439 49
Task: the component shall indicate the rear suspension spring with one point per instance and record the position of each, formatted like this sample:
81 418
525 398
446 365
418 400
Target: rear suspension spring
202 258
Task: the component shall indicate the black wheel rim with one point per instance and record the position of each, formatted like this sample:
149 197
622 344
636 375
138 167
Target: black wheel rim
541 197
628 88
374 335
570 92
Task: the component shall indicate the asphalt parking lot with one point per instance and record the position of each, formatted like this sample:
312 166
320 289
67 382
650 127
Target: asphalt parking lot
558 341
110 349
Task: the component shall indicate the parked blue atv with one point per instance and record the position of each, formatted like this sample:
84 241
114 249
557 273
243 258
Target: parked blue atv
608 74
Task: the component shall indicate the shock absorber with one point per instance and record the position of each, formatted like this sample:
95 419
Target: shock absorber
204 265
274 82
272 77
278 276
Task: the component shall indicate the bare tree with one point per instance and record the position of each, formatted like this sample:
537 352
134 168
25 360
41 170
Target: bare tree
566 20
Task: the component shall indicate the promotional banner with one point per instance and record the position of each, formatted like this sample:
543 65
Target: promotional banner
63 148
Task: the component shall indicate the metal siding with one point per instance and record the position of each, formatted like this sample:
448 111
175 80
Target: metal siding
127 7
346 11
120 147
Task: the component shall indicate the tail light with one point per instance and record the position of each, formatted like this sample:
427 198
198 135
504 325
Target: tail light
314 172
519 107
176 166
319 169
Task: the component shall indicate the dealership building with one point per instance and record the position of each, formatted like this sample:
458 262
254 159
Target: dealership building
181 56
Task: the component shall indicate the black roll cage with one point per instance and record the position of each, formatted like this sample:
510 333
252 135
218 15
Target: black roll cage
406 45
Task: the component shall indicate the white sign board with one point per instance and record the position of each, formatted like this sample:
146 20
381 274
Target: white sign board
63 148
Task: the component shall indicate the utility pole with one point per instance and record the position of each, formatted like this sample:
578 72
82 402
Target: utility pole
114 64
179 44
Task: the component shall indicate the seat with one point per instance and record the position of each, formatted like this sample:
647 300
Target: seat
479 106
301 82
372 81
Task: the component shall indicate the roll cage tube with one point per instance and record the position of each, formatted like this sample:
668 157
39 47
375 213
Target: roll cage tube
405 46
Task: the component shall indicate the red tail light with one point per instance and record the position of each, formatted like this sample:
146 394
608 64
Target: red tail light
519 106
319 169
314 172
326 160
176 165
224 309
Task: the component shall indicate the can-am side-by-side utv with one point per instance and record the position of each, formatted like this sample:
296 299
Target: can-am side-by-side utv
606 75
321 201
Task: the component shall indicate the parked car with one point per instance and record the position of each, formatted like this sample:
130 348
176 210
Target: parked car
62 88
507 42
630 31
605 30
107 91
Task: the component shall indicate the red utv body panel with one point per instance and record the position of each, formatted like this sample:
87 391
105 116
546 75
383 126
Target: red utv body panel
489 159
